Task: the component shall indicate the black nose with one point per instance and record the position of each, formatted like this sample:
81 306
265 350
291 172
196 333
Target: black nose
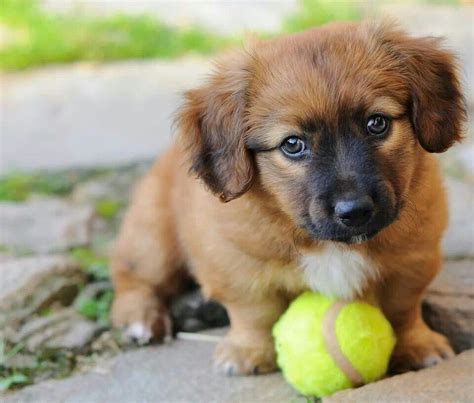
354 212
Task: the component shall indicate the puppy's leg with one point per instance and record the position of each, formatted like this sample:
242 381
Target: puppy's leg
137 309
417 345
140 303
146 265
248 347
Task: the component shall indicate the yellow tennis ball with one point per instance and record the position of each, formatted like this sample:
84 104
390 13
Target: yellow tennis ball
324 345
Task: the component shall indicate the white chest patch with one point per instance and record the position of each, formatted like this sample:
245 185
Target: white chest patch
338 271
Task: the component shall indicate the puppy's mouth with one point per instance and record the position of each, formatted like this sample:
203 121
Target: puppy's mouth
356 239
329 230
337 235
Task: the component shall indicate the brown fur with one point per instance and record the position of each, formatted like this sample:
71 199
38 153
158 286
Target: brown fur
245 253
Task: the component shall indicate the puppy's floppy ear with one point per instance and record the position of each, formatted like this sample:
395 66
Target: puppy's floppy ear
212 128
437 104
438 109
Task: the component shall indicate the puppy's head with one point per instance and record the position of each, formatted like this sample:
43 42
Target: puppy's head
331 123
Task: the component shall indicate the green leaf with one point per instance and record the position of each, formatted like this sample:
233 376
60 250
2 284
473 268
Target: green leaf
87 307
15 379
96 266
16 187
96 308
103 308
107 209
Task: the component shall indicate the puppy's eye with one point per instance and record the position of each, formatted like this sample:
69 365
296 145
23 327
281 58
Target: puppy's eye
293 146
378 125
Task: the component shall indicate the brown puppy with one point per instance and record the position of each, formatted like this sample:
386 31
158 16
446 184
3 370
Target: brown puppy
320 143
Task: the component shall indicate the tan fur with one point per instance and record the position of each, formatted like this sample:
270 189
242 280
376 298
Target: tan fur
246 253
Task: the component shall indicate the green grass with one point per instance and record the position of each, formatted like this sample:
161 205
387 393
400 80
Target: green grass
40 38
15 379
97 308
18 186
107 209
312 13
57 362
47 363
10 378
94 265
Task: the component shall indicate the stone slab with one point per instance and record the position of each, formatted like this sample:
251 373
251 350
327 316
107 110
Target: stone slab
458 241
177 372
450 381
65 329
30 283
182 372
449 303
88 115
45 225
18 273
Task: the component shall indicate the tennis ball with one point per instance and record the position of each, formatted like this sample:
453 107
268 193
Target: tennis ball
324 345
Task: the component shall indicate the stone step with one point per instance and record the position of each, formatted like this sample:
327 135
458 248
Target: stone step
29 284
88 115
182 372
177 372
448 306
450 381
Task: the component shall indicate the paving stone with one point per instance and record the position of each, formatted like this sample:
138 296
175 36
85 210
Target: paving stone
459 237
117 185
466 155
177 372
450 381
45 225
449 304
31 283
90 115
62 329
21 361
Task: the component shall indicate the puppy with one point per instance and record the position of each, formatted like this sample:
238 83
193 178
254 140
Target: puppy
303 163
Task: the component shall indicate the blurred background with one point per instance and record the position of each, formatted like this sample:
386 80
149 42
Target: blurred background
88 89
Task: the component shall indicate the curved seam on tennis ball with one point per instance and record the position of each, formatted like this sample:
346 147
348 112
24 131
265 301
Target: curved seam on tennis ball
333 347
385 340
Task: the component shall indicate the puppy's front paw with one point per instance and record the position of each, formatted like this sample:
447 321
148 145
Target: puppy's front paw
235 359
137 333
419 347
142 318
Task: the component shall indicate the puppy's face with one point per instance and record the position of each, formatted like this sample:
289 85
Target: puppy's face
340 169
329 123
